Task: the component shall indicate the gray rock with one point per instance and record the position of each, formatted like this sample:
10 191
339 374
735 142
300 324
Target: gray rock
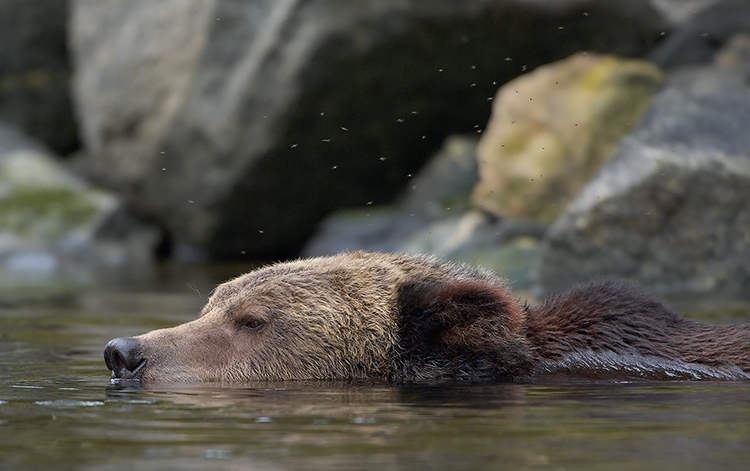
457 238
507 246
729 71
35 73
697 41
433 216
53 226
679 12
440 191
238 125
671 209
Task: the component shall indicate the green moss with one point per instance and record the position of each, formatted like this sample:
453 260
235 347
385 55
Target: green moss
43 211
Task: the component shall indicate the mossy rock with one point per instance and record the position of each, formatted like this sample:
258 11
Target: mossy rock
39 201
551 129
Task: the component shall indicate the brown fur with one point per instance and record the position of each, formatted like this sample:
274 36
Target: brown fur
412 318
614 328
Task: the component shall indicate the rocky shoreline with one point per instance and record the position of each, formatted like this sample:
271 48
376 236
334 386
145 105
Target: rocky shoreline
551 142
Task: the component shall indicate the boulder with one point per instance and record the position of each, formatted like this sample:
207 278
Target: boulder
238 125
697 40
53 226
679 12
729 70
433 216
505 245
438 192
552 128
35 71
669 209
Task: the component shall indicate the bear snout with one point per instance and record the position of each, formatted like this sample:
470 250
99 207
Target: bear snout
123 358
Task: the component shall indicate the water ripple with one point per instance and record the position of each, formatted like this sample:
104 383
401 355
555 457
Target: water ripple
69 403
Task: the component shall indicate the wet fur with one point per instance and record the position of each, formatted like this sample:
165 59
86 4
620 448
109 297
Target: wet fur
615 328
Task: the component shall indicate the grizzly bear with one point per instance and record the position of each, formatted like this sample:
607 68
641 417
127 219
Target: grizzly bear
408 318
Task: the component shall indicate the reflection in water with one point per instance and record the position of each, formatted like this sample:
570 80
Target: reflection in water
59 410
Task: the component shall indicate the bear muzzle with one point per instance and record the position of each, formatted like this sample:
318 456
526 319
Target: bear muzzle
123 358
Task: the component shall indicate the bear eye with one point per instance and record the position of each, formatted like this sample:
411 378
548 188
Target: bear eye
253 324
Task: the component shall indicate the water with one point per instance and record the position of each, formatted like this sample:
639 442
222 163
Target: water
58 409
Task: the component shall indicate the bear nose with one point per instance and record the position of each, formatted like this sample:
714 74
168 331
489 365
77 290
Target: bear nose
123 358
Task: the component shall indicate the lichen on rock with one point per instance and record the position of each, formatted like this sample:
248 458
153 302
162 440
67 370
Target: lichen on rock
551 129
39 201
55 226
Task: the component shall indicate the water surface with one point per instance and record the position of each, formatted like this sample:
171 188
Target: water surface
58 409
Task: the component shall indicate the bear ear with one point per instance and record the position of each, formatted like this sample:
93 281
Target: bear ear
461 315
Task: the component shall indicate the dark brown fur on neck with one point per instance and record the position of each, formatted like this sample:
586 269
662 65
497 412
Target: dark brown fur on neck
607 329
613 328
